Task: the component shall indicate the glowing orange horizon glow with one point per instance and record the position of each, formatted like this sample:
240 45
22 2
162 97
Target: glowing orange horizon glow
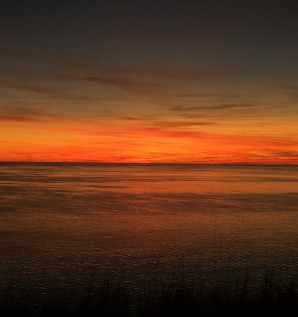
75 140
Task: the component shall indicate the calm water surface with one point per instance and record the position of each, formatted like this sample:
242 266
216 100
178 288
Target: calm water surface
63 225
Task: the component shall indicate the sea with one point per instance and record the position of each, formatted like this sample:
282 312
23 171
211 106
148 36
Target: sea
66 226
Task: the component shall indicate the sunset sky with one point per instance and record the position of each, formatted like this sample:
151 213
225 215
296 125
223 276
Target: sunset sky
149 81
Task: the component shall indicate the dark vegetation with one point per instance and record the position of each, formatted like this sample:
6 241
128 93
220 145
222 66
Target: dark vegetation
272 298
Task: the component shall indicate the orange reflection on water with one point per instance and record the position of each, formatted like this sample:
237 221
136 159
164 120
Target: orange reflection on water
136 223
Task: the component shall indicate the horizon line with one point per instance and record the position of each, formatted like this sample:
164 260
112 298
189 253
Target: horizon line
150 163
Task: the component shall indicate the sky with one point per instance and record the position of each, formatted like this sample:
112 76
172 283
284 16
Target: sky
149 81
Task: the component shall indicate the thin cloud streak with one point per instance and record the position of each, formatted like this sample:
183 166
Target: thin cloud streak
36 89
22 114
180 108
181 124
45 90
207 95
127 84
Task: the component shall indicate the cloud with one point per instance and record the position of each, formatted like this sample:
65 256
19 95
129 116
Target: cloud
291 154
127 84
154 121
165 71
33 88
22 114
125 118
140 88
180 108
206 95
17 118
44 86
9 84
180 124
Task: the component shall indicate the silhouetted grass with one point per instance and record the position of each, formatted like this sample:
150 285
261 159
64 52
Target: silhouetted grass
272 299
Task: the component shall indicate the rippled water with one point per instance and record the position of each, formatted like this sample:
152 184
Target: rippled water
62 225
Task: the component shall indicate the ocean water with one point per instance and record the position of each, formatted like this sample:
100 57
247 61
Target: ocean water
63 226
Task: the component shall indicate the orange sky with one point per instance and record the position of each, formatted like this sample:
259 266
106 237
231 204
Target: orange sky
148 84
31 136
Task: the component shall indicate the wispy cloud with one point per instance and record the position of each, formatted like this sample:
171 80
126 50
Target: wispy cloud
32 88
207 95
180 124
181 108
22 114
146 90
154 121
127 84
290 154
18 118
